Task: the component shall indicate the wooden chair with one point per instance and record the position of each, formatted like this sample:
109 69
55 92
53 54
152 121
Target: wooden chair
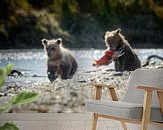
142 104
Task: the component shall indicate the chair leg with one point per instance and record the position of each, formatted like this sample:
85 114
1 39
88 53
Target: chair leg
94 121
144 127
146 110
124 125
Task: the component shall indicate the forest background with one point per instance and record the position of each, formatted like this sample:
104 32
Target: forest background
81 23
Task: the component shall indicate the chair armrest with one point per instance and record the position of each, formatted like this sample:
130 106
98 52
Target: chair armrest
150 88
99 91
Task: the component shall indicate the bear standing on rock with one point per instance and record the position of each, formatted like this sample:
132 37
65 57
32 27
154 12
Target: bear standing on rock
60 60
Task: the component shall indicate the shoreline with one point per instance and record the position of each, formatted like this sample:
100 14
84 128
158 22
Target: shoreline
65 96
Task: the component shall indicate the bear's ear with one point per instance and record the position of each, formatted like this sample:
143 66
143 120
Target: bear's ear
59 41
118 30
106 34
44 42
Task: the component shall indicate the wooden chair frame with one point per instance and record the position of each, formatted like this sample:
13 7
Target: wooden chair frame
146 106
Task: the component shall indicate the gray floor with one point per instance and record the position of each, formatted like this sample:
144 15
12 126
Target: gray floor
56 121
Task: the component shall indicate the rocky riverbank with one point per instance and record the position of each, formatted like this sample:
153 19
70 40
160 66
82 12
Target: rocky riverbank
67 95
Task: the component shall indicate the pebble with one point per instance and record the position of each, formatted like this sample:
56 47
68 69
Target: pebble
68 95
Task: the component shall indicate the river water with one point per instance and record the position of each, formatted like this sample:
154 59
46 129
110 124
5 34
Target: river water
33 62
62 95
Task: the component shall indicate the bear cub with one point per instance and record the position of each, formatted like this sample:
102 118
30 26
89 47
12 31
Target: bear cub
60 60
115 41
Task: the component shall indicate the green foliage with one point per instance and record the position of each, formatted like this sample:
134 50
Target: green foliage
5 71
9 126
2 78
23 3
23 98
67 18
102 6
20 99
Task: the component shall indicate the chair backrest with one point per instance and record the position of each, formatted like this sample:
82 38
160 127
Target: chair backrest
143 77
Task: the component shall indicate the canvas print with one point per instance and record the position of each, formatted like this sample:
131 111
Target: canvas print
57 55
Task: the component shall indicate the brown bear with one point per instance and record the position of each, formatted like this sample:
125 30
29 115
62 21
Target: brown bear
115 41
60 60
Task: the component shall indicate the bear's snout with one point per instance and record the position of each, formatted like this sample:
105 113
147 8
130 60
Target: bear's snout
112 48
49 54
